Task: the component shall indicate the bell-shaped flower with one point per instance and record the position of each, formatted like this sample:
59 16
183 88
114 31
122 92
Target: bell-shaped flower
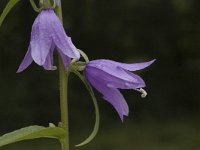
108 76
47 34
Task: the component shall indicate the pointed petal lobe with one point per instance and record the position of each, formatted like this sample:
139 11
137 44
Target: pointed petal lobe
26 61
116 99
140 81
130 67
48 65
113 96
136 66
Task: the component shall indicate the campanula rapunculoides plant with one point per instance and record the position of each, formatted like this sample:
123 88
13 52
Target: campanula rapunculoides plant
106 76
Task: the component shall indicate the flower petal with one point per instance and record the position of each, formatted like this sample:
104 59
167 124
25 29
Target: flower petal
136 66
40 38
65 59
113 96
48 65
130 67
140 81
62 41
118 79
26 61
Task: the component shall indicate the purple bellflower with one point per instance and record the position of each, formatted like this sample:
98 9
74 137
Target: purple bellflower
107 76
47 34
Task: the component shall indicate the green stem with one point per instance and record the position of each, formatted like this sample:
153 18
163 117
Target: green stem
64 104
97 119
34 6
63 77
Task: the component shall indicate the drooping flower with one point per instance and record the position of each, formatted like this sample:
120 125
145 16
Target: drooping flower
46 35
108 76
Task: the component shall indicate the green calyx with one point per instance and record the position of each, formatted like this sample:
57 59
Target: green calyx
43 4
47 4
79 65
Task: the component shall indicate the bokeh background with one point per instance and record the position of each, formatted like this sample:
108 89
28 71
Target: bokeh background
126 31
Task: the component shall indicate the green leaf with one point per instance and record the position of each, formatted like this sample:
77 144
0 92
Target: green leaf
97 118
32 132
7 9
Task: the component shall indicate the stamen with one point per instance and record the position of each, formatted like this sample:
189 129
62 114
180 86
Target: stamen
143 92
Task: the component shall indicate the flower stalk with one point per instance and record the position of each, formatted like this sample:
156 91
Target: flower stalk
63 79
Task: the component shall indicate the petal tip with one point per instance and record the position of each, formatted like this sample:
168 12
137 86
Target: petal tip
152 61
19 70
122 116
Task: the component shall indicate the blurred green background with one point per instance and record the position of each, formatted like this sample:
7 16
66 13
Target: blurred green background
126 31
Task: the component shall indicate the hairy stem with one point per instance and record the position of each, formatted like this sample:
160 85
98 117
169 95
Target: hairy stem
63 77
